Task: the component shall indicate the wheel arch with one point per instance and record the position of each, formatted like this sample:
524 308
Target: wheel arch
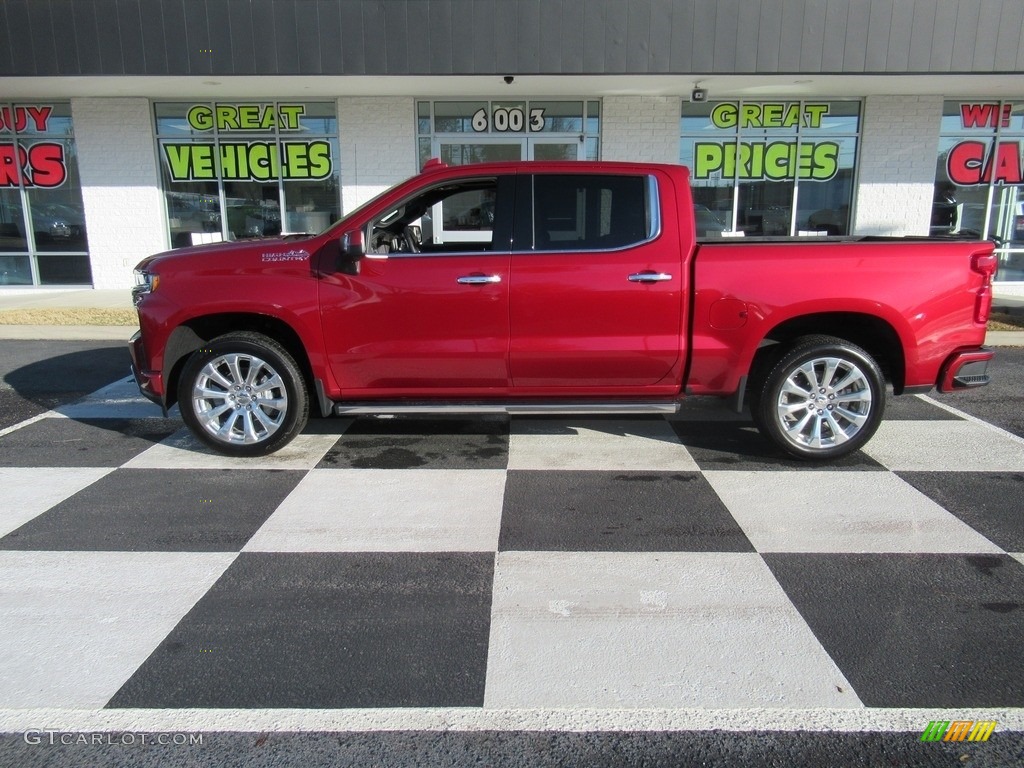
873 334
193 333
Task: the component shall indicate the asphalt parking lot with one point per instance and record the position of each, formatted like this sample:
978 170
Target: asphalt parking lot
524 592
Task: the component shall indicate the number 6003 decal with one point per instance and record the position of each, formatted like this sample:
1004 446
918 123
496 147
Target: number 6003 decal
504 120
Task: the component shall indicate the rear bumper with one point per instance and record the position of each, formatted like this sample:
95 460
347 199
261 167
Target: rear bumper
964 369
150 383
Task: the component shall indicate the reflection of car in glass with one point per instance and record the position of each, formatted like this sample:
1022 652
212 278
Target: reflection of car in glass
191 217
831 220
50 221
253 218
54 221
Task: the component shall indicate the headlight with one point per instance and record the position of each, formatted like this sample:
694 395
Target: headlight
145 283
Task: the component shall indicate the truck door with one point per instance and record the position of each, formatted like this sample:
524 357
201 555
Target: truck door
427 312
597 285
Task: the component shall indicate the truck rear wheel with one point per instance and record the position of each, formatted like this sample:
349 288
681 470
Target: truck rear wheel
823 398
243 395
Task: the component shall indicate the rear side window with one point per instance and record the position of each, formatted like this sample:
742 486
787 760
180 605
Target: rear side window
590 212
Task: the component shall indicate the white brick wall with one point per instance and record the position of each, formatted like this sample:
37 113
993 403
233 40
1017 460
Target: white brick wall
640 128
124 213
898 151
378 145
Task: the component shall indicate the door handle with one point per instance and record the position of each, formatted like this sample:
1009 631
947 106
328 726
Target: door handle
649 277
478 279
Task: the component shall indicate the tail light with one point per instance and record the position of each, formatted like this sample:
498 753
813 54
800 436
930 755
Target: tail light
985 265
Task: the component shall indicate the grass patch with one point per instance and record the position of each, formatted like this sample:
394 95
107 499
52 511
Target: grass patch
69 316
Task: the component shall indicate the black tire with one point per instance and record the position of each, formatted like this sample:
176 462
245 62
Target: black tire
243 395
823 398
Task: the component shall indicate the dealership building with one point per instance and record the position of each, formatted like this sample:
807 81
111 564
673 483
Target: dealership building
129 127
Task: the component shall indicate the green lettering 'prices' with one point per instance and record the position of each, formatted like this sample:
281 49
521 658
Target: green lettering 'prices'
708 158
762 161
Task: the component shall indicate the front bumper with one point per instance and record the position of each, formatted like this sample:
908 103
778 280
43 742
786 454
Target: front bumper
964 369
150 382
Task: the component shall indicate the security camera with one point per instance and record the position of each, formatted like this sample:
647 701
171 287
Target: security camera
699 94
509 79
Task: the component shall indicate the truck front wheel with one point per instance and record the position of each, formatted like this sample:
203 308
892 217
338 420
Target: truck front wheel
243 395
823 398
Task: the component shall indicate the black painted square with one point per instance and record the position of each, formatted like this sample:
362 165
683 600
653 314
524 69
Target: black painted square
62 442
334 630
912 408
160 510
578 511
922 630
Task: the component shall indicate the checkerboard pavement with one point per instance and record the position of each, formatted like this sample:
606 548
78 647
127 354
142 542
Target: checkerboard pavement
501 563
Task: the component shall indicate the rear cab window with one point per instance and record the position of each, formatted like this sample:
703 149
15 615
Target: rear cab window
586 212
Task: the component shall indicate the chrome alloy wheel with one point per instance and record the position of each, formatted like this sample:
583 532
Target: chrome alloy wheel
239 399
824 402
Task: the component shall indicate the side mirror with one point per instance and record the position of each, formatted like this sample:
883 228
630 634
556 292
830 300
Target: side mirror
351 250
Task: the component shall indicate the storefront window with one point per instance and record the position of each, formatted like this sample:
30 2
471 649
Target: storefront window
42 225
248 169
479 131
768 169
979 179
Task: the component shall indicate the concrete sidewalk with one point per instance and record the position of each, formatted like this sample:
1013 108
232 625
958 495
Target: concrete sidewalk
122 299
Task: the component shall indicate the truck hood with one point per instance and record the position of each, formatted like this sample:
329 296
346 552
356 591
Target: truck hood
253 253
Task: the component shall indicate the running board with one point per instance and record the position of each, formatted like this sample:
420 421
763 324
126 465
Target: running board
518 409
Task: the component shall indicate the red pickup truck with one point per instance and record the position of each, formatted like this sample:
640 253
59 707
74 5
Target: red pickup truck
554 288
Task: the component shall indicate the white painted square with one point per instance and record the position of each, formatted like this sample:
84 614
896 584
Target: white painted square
1019 556
384 510
183 451
74 626
651 630
841 512
963 446
30 491
597 444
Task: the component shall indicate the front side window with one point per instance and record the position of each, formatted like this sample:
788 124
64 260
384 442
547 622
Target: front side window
767 169
979 179
455 216
590 212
